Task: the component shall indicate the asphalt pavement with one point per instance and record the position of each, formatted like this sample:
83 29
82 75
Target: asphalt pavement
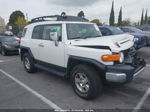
42 90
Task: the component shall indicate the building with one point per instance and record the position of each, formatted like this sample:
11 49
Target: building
2 25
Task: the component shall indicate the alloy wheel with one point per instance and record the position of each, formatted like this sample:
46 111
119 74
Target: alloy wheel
82 82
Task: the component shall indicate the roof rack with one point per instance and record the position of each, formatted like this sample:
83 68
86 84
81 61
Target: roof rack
61 17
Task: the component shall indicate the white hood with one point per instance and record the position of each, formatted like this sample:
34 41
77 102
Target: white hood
116 43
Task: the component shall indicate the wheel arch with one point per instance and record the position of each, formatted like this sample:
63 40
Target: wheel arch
74 60
24 50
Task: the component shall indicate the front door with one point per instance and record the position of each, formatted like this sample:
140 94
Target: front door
51 53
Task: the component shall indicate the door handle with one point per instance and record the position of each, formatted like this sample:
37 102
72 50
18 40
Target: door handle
41 45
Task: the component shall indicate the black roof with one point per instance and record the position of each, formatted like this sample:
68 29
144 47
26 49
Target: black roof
62 17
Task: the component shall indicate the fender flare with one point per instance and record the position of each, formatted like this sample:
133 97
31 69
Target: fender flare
23 50
74 60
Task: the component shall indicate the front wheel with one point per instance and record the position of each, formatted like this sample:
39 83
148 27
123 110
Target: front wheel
3 52
86 82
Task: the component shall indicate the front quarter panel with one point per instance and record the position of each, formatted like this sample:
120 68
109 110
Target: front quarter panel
91 53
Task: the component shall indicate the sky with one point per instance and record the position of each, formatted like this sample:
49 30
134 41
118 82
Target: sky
99 9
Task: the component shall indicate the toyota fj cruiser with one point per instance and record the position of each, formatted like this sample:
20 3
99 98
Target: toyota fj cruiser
72 47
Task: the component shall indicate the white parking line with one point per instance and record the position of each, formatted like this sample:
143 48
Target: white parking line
148 65
139 105
44 99
1 61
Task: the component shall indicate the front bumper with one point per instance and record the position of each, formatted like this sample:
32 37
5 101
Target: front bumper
123 73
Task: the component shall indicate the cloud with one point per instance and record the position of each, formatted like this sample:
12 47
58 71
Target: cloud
93 8
70 3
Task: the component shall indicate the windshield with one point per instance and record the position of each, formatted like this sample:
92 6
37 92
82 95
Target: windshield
116 30
147 29
136 30
82 31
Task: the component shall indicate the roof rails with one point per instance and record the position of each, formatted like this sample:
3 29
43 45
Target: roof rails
61 17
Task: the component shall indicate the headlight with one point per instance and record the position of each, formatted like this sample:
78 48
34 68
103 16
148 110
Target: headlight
136 39
113 57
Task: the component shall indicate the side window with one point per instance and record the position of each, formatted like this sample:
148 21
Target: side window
52 28
105 32
37 32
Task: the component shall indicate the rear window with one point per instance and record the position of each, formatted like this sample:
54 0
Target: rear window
116 30
37 32
6 39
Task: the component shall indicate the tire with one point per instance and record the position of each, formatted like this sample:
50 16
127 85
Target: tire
92 80
28 63
148 43
3 52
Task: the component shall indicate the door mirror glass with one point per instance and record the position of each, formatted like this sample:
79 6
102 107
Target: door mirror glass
54 36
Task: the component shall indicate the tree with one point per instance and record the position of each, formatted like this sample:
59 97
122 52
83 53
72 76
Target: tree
14 16
112 16
15 29
120 17
142 18
21 22
12 19
81 14
97 21
146 18
126 22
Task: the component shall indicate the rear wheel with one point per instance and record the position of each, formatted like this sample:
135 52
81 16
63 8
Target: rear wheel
28 63
86 82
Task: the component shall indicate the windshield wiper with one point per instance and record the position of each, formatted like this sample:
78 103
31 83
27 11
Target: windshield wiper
91 36
85 37
77 38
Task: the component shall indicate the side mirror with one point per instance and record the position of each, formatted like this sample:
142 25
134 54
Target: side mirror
54 37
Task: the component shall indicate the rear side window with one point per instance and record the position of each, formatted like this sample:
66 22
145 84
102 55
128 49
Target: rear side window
37 32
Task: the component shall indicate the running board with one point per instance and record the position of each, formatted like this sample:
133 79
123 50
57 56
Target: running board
48 69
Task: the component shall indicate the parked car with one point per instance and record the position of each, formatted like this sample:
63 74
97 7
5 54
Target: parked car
9 44
142 35
109 30
144 28
73 48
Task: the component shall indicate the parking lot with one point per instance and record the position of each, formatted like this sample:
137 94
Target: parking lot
42 90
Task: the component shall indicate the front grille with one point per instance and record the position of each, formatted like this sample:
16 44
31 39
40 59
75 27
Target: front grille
131 52
130 56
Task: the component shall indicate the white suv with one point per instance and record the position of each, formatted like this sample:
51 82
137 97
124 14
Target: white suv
73 48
